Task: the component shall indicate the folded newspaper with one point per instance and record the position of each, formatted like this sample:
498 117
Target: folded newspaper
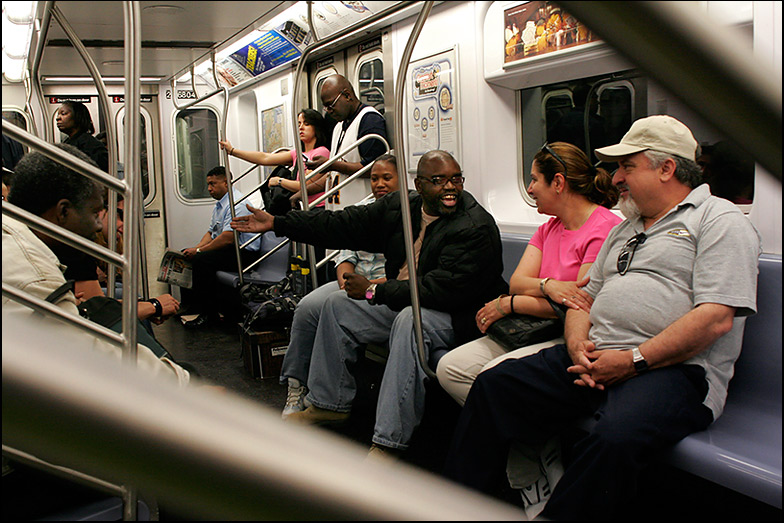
176 269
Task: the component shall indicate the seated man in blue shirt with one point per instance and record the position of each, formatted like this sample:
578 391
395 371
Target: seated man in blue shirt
215 251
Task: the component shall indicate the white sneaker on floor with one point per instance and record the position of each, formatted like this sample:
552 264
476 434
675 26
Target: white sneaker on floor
295 399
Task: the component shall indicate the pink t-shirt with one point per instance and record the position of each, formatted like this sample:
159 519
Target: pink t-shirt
318 151
564 251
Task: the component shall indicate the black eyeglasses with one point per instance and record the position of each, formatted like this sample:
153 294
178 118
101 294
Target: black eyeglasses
441 180
546 148
331 106
625 258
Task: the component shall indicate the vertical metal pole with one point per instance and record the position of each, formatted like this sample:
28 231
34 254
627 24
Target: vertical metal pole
47 134
403 177
133 201
230 183
111 145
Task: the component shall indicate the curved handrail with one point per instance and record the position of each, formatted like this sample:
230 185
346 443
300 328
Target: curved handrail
301 61
35 64
111 145
321 168
318 200
404 203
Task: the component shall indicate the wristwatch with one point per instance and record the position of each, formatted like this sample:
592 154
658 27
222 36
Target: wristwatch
158 307
640 365
370 293
198 249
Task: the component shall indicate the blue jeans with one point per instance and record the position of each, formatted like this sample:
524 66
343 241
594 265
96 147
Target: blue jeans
296 362
344 327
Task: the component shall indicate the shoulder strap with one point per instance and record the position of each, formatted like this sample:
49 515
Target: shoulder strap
58 293
559 311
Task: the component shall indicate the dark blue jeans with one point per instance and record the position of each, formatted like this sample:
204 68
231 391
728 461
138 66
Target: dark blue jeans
534 398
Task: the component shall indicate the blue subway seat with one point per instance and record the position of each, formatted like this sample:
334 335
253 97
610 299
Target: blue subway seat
742 449
271 270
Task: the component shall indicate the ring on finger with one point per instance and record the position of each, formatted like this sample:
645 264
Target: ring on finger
563 301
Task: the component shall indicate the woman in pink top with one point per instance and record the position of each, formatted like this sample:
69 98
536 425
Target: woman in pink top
313 137
566 186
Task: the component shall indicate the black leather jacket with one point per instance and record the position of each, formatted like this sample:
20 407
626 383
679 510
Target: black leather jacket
460 263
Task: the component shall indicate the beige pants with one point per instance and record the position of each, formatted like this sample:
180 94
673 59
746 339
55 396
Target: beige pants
458 369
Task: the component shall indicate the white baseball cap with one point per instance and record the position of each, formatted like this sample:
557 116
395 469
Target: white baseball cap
658 133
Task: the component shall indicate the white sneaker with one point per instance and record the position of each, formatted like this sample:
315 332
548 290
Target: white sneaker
295 399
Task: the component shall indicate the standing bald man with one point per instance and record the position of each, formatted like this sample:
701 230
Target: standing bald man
355 120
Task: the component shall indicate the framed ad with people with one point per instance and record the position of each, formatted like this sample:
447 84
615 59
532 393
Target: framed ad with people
533 30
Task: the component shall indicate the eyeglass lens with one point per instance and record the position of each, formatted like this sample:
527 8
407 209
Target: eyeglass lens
457 179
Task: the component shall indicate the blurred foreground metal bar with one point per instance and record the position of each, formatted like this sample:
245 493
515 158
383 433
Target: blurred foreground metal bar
685 53
210 455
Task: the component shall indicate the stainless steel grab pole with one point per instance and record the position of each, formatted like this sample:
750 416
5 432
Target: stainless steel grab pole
403 180
134 202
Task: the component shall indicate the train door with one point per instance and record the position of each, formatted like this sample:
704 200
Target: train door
320 70
194 133
53 102
152 184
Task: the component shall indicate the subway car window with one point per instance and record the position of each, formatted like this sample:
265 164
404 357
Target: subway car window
609 105
371 84
197 151
16 118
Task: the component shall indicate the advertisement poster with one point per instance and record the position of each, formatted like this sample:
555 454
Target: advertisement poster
272 131
431 111
270 49
331 17
539 28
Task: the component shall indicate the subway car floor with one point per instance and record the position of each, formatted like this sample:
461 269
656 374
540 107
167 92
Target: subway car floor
215 352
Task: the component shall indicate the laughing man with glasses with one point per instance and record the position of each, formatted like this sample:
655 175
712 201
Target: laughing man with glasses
671 286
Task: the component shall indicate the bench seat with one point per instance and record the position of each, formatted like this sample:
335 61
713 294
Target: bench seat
271 270
742 449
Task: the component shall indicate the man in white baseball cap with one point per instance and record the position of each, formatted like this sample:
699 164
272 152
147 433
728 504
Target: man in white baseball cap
651 360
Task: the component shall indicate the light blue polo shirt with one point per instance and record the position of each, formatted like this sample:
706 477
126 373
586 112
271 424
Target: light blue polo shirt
221 219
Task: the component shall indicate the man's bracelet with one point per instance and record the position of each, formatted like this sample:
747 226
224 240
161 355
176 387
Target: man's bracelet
158 307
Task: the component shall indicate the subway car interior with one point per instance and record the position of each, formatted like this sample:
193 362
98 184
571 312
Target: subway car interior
167 82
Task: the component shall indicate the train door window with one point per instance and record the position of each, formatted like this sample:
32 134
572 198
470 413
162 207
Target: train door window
370 81
319 80
18 118
145 158
555 105
616 109
197 151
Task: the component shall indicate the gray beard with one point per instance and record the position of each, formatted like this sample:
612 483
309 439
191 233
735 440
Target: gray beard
629 208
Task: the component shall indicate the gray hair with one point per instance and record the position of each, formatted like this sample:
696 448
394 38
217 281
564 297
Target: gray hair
687 171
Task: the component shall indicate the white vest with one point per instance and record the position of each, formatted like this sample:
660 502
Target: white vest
360 188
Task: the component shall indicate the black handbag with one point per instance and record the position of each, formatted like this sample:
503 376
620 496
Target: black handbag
277 199
520 330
